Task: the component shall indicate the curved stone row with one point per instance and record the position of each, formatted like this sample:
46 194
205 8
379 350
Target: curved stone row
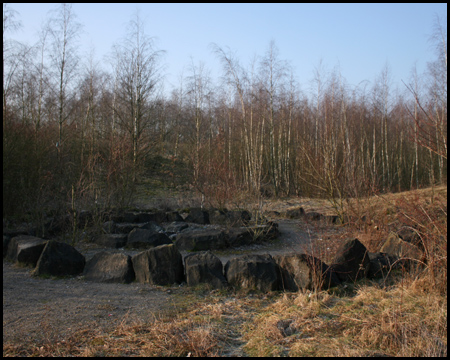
163 265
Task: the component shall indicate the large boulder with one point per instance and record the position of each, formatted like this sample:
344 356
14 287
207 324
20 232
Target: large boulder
162 265
115 241
351 261
252 272
302 271
59 259
176 227
381 265
204 267
144 239
239 236
201 239
295 213
109 267
25 249
409 253
198 216
229 218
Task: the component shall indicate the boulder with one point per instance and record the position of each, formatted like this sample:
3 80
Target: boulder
381 265
176 227
150 225
239 236
109 227
295 213
410 235
109 267
252 272
201 239
172 216
162 265
114 241
198 216
229 218
204 267
59 259
313 216
302 271
351 261
144 239
25 249
396 247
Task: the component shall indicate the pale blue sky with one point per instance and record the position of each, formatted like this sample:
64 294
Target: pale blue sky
360 38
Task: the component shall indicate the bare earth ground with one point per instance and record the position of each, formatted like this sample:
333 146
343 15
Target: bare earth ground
36 309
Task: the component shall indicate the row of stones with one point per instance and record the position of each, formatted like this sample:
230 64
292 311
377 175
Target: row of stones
163 265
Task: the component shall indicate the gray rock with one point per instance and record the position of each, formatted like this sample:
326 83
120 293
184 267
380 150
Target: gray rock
201 239
381 264
162 265
109 267
302 271
144 239
252 272
204 267
25 249
351 261
176 227
198 216
59 259
114 241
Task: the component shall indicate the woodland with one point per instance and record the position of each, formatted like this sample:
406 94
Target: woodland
78 136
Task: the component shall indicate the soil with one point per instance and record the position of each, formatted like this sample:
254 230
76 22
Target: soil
40 309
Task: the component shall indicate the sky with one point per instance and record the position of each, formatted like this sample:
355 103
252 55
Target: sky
358 38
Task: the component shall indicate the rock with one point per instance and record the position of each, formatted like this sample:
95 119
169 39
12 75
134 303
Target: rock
114 241
59 259
302 271
25 249
110 268
252 272
229 218
410 235
172 216
198 216
381 264
144 239
125 228
314 216
109 227
295 213
201 239
351 261
396 247
204 267
162 265
151 225
263 232
239 236
176 227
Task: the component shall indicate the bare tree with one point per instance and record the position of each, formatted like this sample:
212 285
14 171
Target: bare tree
138 74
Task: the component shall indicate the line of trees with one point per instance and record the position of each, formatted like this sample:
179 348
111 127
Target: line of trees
73 130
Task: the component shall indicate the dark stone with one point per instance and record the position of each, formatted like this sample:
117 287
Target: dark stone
313 216
351 261
252 272
295 213
239 236
382 264
109 227
229 218
176 227
151 225
411 236
198 216
115 241
201 239
162 265
125 228
172 216
302 271
59 259
25 249
110 268
144 239
204 267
